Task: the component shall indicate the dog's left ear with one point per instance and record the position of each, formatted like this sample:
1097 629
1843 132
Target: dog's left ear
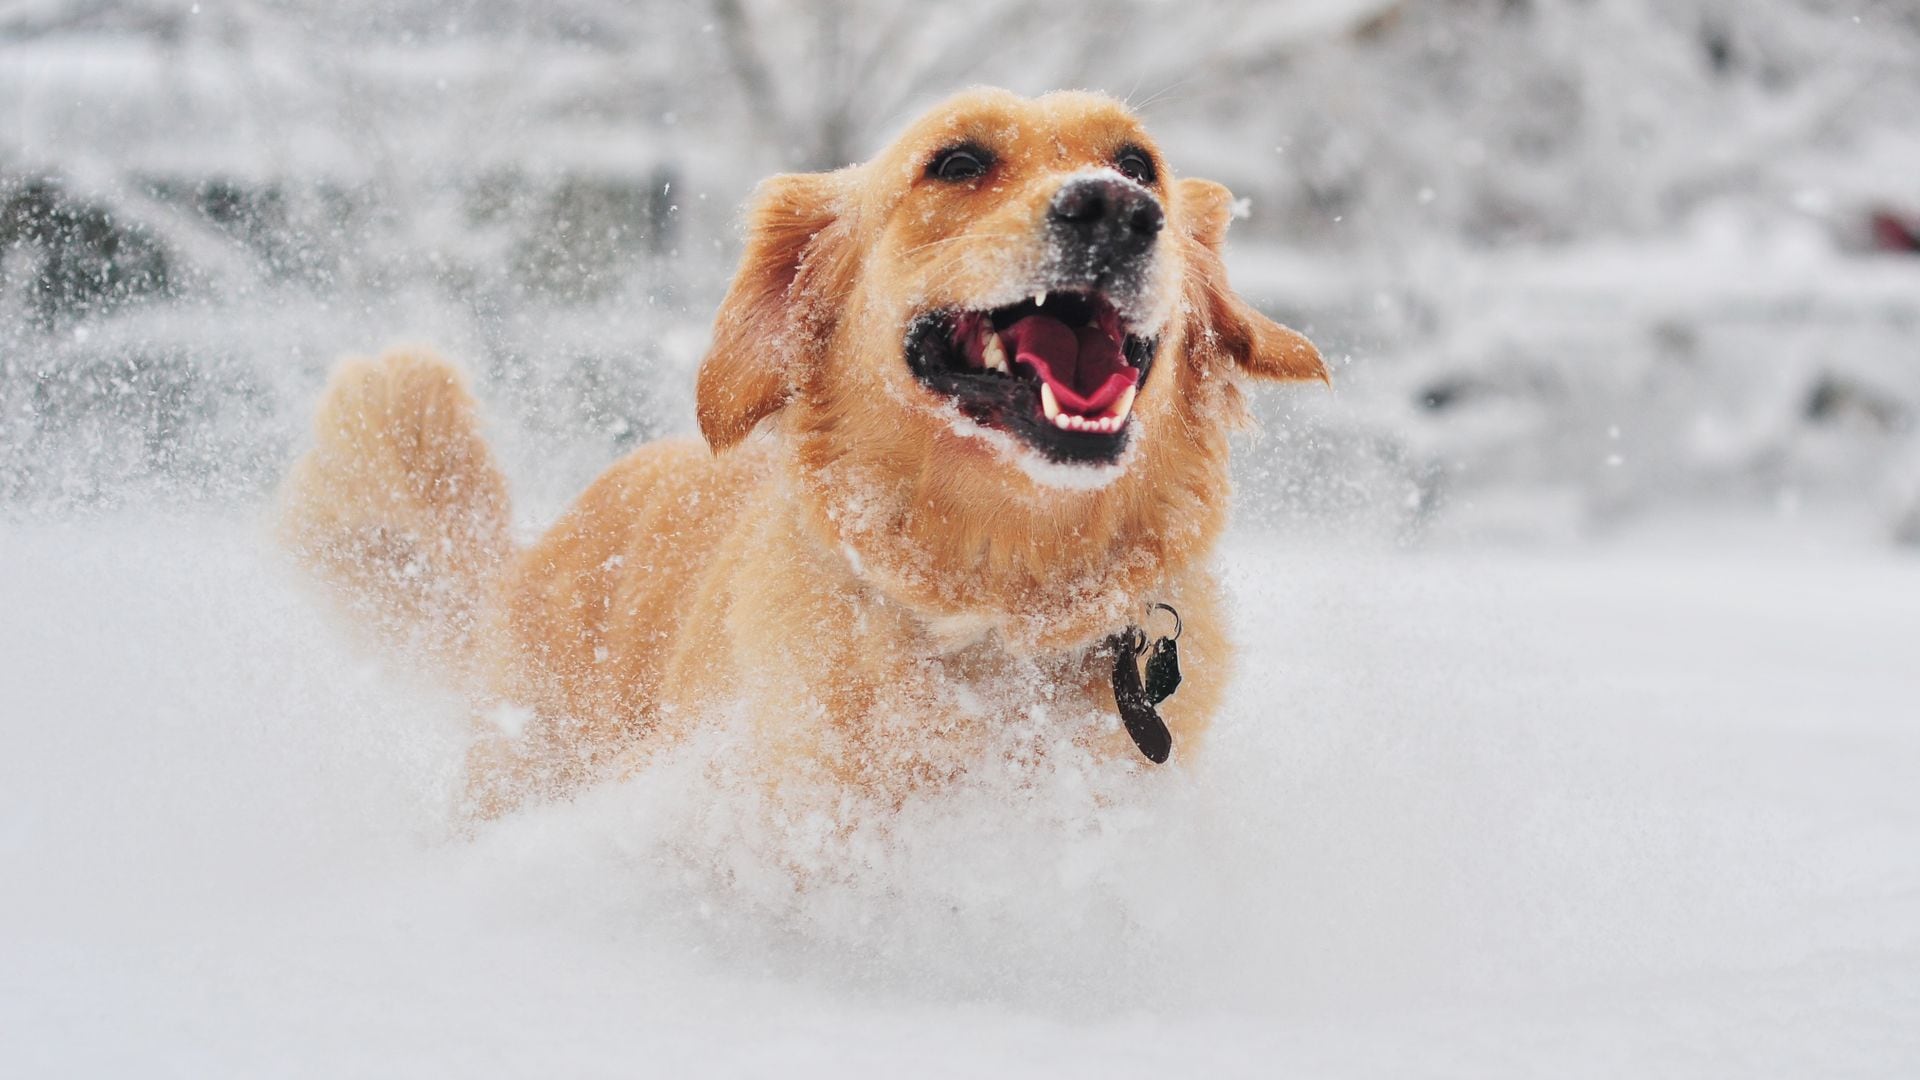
778 313
1252 342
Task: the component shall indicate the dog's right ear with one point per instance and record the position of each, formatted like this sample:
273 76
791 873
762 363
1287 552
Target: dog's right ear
779 311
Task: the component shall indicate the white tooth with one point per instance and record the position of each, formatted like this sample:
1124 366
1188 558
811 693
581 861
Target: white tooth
1040 298
1050 405
1063 421
1124 406
995 354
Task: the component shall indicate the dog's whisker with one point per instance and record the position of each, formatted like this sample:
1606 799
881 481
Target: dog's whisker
1162 94
972 237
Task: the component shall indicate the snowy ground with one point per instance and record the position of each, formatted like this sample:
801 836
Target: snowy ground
1642 808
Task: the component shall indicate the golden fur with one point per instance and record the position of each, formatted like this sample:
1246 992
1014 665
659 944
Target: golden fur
849 576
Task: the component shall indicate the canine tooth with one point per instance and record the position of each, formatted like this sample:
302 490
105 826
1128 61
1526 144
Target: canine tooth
1050 405
1040 298
1122 407
994 355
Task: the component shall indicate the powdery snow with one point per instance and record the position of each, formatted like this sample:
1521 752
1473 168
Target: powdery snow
1639 809
1063 476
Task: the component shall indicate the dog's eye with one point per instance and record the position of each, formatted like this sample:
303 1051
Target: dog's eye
1135 165
959 164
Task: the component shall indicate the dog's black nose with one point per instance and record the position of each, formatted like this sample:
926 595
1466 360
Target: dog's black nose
1106 217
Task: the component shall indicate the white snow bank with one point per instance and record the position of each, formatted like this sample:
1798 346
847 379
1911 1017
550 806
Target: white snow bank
1595 813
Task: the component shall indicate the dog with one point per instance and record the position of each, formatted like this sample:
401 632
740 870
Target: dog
965 416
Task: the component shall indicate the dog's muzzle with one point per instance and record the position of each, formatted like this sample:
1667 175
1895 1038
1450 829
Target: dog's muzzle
1103 230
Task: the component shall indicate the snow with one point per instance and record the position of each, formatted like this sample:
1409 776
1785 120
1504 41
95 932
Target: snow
1062 476
1642 807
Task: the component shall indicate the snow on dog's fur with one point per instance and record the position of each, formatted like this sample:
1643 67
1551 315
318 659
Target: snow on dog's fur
884 554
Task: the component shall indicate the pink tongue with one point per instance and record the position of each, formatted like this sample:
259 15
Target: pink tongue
1085 366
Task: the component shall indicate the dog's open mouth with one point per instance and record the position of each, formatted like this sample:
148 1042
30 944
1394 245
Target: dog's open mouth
1058 370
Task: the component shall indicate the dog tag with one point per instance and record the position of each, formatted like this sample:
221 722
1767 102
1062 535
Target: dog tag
1149 732
1163 670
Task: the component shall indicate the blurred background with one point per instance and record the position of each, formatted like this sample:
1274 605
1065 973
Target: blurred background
1577 263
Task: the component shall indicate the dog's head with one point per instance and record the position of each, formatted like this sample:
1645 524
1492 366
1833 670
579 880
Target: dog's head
1016 301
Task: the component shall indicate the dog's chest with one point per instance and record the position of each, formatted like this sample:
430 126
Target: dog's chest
984 694
958 632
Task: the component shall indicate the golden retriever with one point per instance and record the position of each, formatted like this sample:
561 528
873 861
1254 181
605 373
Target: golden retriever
965 414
